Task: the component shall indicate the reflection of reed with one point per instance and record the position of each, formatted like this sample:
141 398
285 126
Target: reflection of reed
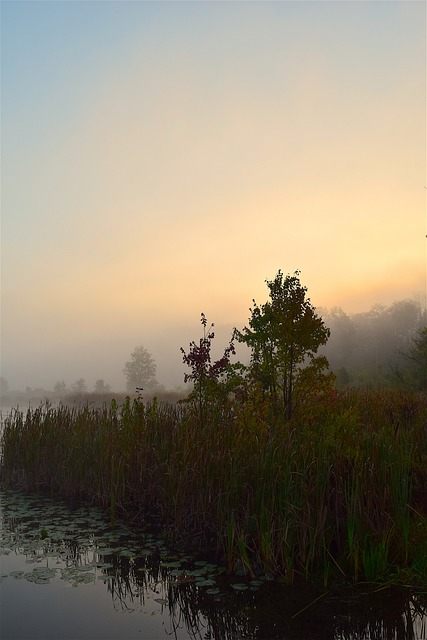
138 582
395 616
391 615
275 612
182 616
121 591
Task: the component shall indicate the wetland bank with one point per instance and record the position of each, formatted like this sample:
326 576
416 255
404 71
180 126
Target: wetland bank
306 531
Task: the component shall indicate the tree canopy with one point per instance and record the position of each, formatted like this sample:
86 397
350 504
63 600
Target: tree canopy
372 348
206 375
101 386
284 335
140 370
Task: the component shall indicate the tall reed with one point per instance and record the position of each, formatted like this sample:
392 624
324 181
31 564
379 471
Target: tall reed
337 492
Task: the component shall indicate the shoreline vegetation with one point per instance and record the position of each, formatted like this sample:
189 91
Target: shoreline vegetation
334 494
23 400
268 465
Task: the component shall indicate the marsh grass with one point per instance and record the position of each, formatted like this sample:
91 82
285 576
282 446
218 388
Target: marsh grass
338 492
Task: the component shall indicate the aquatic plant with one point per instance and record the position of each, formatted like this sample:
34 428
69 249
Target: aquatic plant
140 572
336 492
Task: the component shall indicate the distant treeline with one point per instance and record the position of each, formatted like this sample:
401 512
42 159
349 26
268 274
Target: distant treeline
374 348
370 349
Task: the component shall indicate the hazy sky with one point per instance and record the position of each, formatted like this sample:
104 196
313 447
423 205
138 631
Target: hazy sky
162 159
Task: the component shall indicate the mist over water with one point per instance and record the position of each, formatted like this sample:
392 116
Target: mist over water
364 348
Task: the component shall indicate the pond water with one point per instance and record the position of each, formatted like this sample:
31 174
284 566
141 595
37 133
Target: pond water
67 573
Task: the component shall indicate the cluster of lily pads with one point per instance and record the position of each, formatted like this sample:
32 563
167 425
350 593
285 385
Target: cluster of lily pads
79 546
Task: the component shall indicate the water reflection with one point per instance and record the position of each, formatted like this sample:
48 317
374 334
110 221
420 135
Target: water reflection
46 544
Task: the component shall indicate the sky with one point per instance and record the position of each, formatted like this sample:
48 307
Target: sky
160 159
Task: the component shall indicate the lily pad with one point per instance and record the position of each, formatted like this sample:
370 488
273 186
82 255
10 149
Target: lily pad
172 565
256 583
205 583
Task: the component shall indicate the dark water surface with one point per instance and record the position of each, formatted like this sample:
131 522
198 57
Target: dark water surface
66 573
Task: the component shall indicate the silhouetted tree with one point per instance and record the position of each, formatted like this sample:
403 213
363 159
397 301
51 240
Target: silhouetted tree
101 387
284 334
205 375
140 370
342 342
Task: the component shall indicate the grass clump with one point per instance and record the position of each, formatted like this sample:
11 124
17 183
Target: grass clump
336 492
